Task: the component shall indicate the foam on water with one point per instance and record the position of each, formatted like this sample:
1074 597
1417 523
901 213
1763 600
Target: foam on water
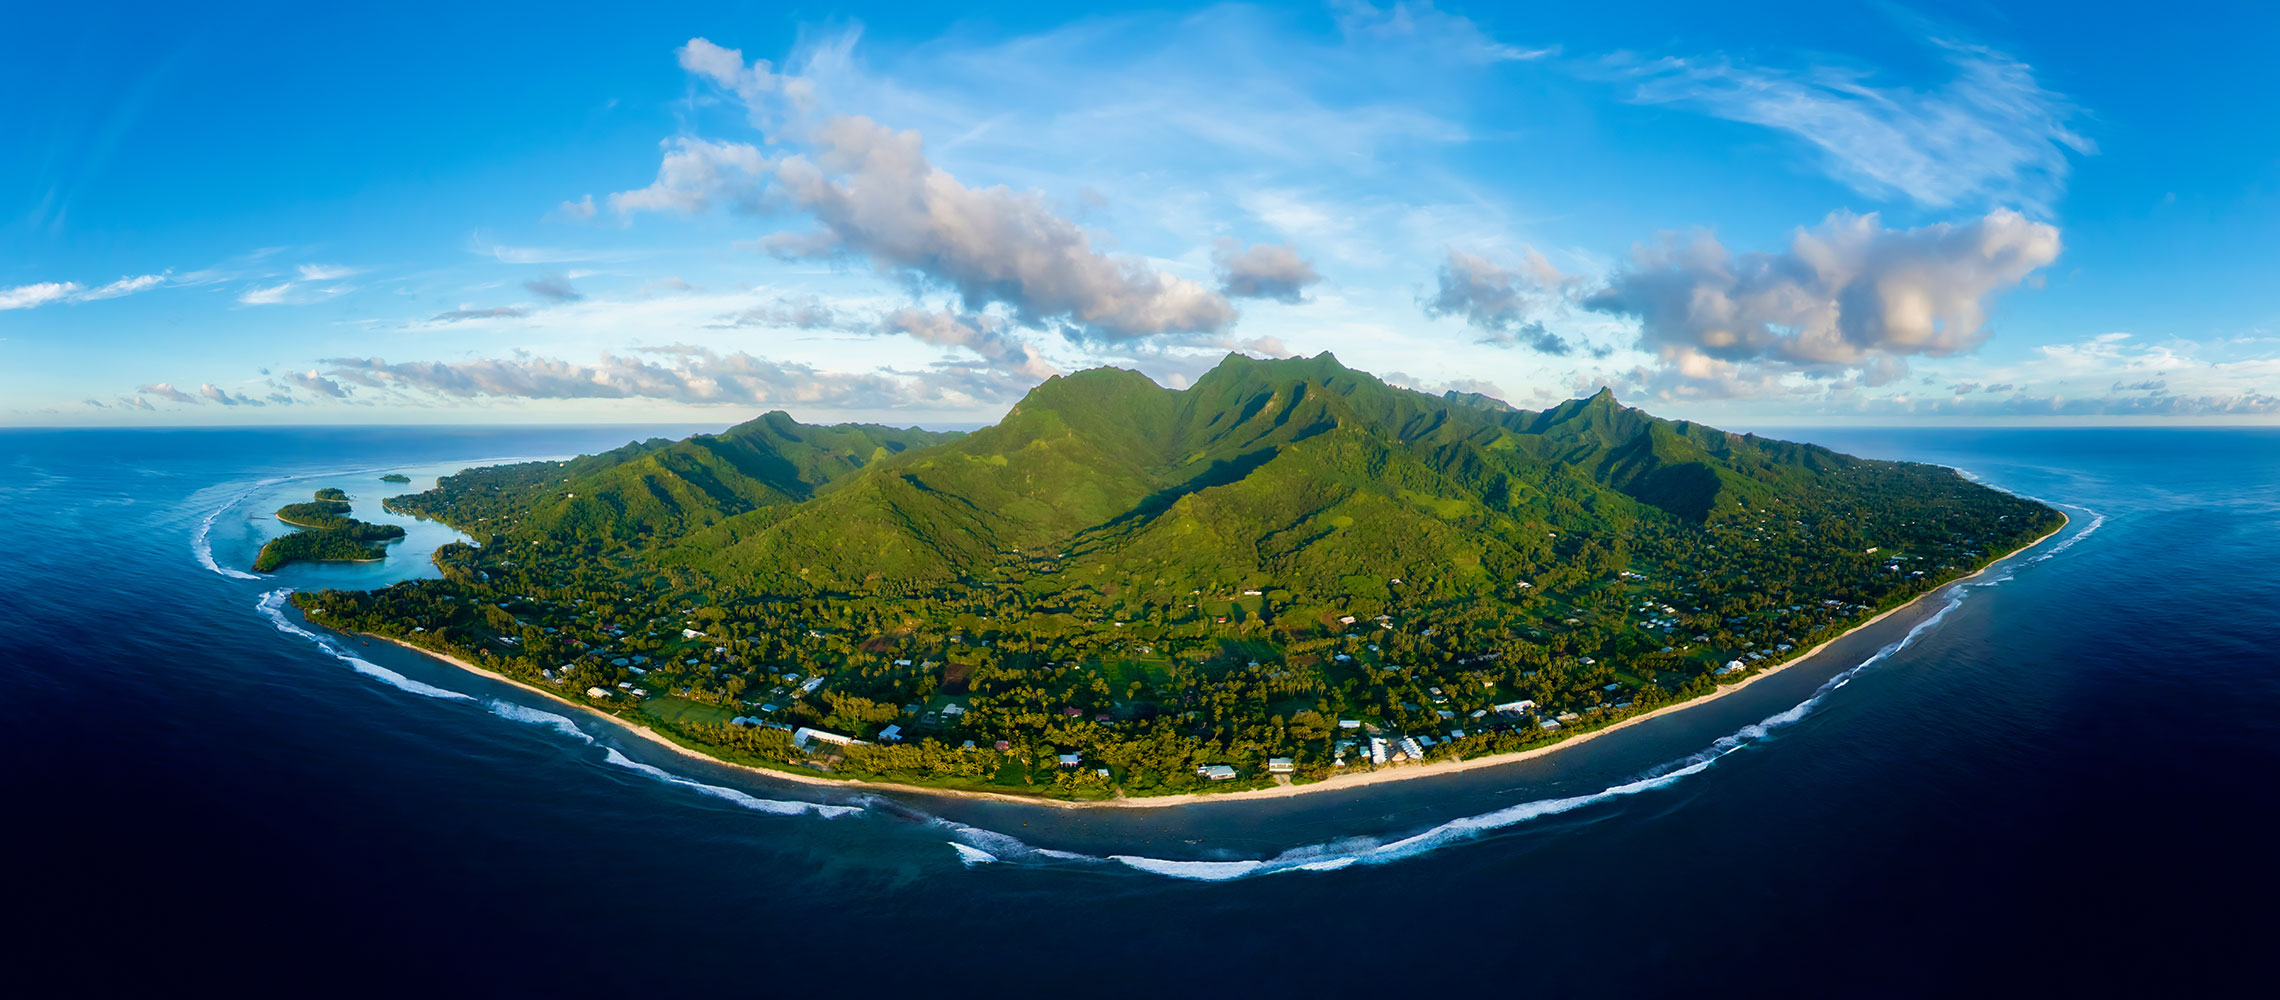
971 856
775 807
538 717
272 605
1338 854
202 543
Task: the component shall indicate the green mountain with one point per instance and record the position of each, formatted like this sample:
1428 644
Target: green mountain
1299 470
1163 581
654 492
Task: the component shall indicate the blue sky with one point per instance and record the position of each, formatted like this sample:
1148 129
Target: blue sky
1795 214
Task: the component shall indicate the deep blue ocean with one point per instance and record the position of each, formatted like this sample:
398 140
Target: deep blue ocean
2057 779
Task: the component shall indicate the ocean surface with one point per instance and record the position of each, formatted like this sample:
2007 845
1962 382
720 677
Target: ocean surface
2062 777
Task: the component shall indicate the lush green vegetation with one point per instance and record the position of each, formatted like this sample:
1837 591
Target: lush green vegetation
395 477
327 534
1290 559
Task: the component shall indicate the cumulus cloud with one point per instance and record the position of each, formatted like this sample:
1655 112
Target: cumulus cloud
1848 295
553 288
697 174
225 397
1497 301
1265 271
877 196
982 334
682 373
465 313
167 391
753 84
316 383
1990 134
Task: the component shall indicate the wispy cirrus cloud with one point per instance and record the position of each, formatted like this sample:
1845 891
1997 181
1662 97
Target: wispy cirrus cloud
1990 134
310 283
465 313
38 294
678 373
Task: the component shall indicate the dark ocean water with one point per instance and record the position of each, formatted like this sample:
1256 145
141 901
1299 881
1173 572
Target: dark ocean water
2059 779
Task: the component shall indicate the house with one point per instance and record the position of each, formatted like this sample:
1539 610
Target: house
811 685
690 633
891 733
595 692
1345 619
802 735
1001 746
1217 772
1513 707
1349 723
1070 760
1281 765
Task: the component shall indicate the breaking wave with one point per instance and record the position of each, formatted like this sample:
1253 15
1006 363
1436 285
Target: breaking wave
538 717
972 856
776 807
272 605
1337 854
202 542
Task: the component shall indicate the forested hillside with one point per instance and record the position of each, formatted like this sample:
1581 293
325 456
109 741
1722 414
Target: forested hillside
1170 578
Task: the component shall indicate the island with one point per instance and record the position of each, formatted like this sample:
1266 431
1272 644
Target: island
395 477
325 534
1287 572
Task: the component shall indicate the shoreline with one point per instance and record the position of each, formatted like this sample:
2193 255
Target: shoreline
1335 782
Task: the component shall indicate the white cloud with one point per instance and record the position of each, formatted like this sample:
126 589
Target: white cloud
877 196
684 374
327 272
804 313
50 292
167 391
465 313
268 295
695 174
1426 27
982 334
1848 295
225 397
755 85
123 286
1989 135
31 296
